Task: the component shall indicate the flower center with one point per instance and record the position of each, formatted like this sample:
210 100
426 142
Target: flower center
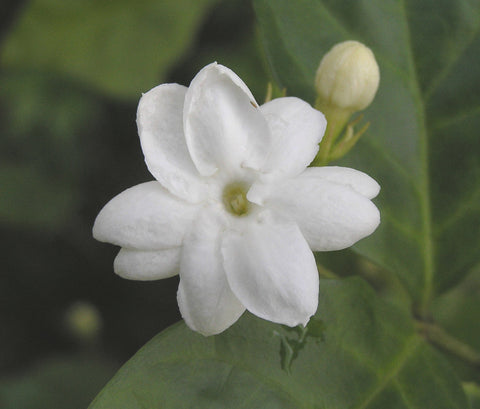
235 198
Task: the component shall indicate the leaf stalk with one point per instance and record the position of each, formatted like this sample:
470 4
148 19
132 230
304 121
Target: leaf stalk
437 336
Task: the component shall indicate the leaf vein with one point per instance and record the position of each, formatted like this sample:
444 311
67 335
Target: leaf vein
464 207
395 163
443 73
461 116
399 225
398 363
402 393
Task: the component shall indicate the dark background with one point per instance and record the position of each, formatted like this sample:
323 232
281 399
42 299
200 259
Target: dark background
68 145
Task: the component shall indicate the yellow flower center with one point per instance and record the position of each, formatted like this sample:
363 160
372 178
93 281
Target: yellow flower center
235 199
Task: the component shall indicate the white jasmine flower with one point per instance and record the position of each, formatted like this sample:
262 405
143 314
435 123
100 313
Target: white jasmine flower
234 209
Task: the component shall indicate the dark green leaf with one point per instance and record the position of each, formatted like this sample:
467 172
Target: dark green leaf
458 311
365 354
423 145
121 47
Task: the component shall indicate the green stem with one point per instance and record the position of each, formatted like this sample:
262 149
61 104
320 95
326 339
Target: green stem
336 121
441 339
348 142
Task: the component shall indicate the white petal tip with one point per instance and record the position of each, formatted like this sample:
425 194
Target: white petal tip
100 228
373 191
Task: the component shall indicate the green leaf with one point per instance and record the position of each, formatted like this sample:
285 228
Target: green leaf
473 392
364 354
119 47
458 311
423 145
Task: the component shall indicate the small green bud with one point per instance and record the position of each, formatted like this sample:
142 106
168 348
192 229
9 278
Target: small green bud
347 77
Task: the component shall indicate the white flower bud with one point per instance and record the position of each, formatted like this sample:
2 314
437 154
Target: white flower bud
347 77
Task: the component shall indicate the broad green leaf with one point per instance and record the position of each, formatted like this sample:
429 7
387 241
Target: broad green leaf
120 47
458 311
423 145
66 383
359 353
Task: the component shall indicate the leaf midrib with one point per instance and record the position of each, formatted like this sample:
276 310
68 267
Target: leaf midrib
425 201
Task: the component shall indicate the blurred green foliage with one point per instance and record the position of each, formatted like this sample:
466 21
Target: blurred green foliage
56 383
70 77
102 42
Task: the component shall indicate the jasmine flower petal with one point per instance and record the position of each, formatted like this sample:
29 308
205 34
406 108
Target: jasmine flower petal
145 217
271 270
331 216
296 129
224 128
160 127
354 179
206 301
147 265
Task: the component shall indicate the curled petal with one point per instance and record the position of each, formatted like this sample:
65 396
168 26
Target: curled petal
147 265
145 217
224 128
296 130
272 271
331 216
160 127
206 301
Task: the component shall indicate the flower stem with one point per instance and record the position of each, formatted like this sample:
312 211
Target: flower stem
336 121
441 339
